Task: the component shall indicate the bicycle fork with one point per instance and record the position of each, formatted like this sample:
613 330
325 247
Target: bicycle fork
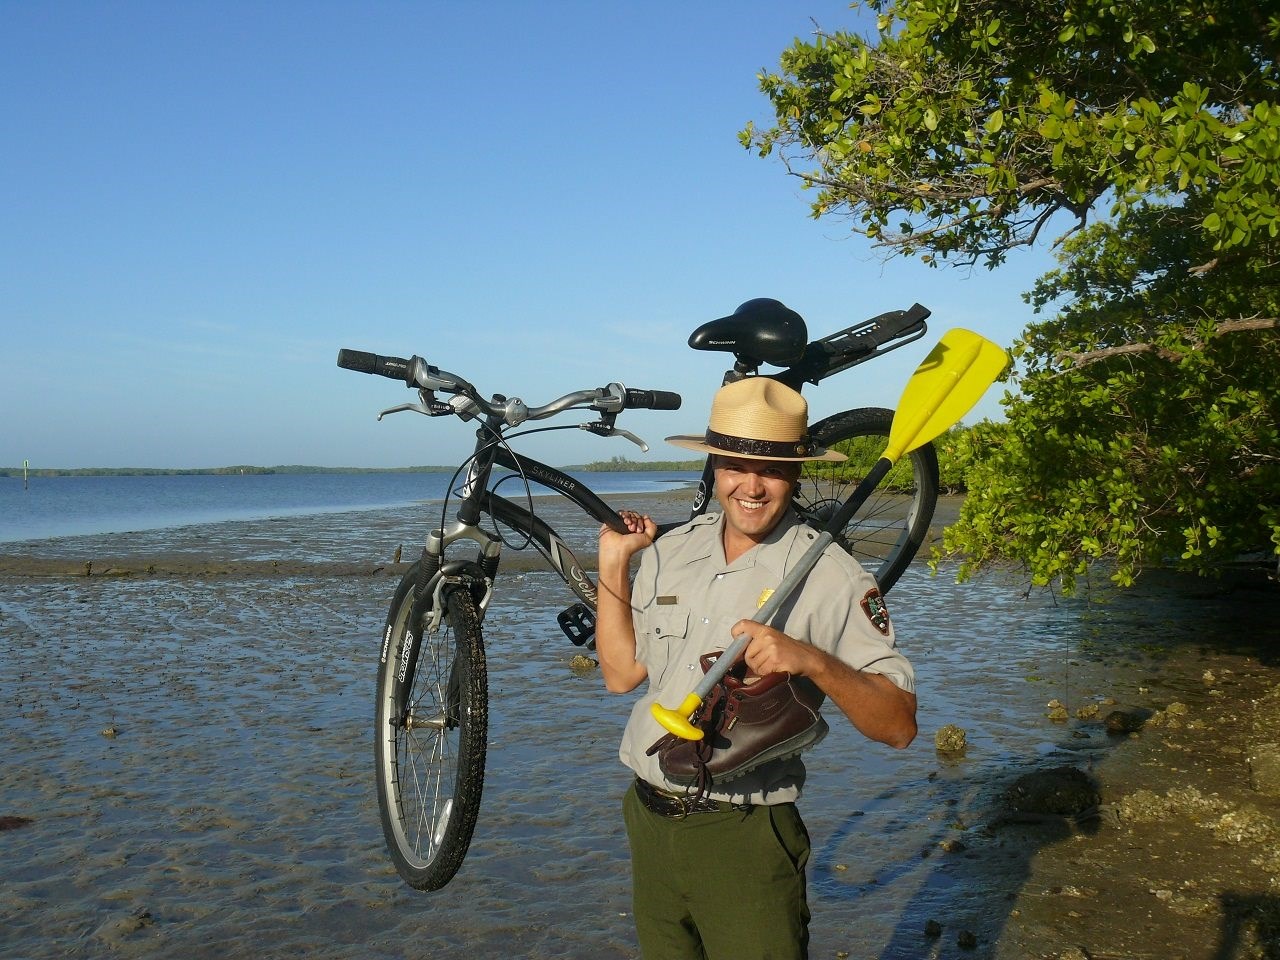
436 578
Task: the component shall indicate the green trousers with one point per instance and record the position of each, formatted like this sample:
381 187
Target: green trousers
719 886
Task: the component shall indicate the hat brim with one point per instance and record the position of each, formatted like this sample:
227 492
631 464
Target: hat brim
700 444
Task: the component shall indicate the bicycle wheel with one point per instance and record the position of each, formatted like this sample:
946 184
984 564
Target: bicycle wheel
431 728
892 525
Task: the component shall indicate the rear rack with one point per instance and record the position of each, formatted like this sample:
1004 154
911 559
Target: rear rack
857 344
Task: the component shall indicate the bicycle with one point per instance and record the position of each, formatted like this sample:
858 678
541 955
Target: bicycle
431 718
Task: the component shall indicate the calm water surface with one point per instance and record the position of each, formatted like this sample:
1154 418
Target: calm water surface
70 506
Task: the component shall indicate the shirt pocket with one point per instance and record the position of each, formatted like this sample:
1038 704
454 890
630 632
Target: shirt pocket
664 632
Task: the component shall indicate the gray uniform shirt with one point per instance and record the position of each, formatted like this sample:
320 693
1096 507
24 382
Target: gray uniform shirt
684 600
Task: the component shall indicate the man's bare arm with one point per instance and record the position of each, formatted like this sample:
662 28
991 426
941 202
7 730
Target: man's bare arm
615 632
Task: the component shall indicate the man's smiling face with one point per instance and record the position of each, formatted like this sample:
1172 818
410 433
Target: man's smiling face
754 494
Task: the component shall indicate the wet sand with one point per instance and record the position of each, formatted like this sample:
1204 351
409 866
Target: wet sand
332 545
185 768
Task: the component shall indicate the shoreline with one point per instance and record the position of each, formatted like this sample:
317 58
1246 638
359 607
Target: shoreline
50 473
119 555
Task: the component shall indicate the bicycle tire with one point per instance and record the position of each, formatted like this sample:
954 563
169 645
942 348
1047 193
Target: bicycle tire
431 724
893 524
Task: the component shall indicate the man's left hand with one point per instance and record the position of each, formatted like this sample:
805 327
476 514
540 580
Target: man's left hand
772 651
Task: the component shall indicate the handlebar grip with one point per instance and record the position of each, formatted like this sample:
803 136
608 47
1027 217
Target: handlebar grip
653 400
393 368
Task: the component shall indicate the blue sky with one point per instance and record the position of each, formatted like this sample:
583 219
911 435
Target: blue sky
203 201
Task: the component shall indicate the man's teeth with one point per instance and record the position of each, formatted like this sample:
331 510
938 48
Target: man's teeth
750 504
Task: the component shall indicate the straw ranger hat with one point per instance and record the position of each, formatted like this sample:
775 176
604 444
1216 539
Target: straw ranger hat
758 418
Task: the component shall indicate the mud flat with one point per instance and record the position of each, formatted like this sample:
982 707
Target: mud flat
185 768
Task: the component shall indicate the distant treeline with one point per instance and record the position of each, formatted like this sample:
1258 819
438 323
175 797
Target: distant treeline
863 452
206 471
615 465
623 465
952 479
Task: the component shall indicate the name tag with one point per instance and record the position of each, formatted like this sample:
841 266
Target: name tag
667 601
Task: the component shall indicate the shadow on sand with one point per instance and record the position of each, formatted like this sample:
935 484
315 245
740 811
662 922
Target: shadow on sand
993 882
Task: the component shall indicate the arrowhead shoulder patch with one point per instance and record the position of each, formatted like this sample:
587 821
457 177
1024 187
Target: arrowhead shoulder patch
874 607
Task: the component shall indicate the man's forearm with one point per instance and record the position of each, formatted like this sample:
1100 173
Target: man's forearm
878 707
615 632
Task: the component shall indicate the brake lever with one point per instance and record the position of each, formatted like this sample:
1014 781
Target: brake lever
406 407
602 428
627 434
428 408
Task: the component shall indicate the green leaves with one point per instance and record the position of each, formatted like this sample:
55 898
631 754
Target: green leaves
1168 454
1147 136
1120 100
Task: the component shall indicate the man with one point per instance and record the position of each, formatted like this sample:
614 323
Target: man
721 876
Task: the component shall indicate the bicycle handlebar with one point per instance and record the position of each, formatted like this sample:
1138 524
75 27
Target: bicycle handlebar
652 400
394 368
416 372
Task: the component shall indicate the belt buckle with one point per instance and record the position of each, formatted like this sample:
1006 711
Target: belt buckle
679 800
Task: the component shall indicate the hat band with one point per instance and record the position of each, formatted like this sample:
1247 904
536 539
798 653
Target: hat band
768 449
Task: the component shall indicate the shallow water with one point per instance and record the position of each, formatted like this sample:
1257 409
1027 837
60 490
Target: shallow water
350 536
73 506
233 813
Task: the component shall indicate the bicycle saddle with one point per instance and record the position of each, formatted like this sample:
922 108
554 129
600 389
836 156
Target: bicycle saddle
760 330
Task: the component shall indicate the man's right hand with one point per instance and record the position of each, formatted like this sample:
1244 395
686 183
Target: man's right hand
615 632
619 548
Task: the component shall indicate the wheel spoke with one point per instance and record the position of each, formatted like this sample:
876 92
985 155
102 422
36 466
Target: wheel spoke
890 527
429 753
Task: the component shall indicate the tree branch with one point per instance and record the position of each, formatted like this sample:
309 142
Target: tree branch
1086 357
1083 358
1247 323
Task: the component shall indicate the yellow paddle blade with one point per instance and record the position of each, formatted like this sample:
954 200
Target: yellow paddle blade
946 385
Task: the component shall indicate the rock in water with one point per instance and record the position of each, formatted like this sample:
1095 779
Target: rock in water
1062 791
1120 722
950 739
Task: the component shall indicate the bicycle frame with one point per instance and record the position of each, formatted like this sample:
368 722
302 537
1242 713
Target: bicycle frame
478 500
541 534
822 358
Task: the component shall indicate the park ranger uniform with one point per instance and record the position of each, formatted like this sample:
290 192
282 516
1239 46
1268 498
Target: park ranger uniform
728 871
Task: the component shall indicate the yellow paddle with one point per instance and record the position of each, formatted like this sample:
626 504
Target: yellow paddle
946 385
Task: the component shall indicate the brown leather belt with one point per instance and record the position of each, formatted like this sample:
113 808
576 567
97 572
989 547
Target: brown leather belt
677 806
